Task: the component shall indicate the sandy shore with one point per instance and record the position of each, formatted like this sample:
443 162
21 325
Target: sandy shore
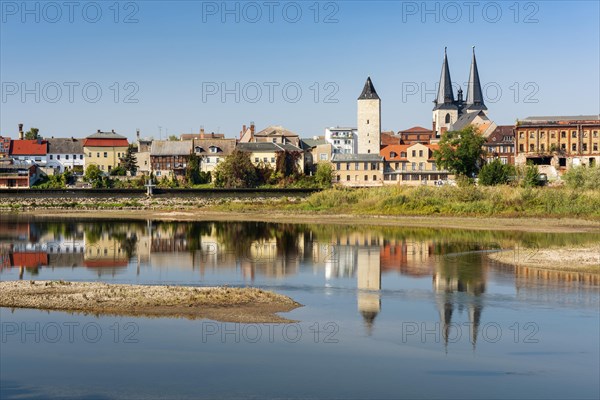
577 259
549 225
246 305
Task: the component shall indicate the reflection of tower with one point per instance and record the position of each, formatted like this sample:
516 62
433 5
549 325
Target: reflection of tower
459 286
369 284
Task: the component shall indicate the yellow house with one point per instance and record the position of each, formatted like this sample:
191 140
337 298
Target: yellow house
104 149
265 153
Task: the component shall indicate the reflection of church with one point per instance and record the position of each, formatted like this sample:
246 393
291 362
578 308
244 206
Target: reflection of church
459 286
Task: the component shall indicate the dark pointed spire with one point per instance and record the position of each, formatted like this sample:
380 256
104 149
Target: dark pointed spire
445 96
368 92
474 92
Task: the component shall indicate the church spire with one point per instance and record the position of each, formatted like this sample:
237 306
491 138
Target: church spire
445 94
474 92
368 91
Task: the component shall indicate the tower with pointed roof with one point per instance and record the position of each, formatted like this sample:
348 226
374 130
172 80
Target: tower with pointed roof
446 109
474 93
369 120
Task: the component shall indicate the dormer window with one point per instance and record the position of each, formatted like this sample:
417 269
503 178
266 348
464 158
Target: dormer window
393 154
198 149
214 149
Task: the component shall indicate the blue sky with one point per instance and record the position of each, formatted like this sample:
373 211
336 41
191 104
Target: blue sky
168 65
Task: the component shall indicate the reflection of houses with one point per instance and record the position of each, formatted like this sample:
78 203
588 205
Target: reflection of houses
105 254
408 257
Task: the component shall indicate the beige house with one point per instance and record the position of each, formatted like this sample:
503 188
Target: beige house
358 170
316 151
265 153
272 134
104 149
412 165
212 151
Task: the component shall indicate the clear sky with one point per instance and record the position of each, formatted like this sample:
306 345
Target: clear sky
181 65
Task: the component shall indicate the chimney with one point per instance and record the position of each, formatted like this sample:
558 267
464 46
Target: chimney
137 134
112 131
212 134
98 130
252 128
201 133
243 131
21 136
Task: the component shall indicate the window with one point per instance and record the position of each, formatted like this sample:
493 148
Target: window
272 159
90 154
58 156
433 167
105 154
323 157
393 154
414 166
347 166
521 147
397 165
542 135
357 166
265 159
563 134
414 153
80 156
337 166
366 166
595 134
421 166
448 118
374 177
213 149
373 166
198 149
274 140
595 147
256 160
521 135
531 147
552 135
531 135
420 153
367 123
347 177
563 146
403 154
366 177
573 134
542 147
574 147
67 156
584 147
337 178
51 156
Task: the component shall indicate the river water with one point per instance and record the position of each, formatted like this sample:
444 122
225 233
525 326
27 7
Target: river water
387 313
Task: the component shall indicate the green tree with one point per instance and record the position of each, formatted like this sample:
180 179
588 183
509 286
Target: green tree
93 175
461 152
287 163
192 172
118 171
33 134
495 173
173 138
236 171
531 176
324 175
130 161
583 177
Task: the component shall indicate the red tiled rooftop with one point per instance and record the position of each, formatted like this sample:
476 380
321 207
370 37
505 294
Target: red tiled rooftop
417 129
28 147
105 143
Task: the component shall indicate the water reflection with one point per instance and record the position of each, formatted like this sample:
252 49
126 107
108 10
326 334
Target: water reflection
455 260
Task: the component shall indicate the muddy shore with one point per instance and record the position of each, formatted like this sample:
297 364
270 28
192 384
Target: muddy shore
244 305
577 259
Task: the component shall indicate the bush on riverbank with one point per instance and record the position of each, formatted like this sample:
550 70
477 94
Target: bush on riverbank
459 201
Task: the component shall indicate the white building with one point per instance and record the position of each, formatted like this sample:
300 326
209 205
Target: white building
65 154
343 140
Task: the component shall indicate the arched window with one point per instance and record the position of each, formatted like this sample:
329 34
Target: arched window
448 118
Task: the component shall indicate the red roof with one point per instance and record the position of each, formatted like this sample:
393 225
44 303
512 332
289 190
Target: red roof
105 143
396 148
30 260
28 148
388 138
417 129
